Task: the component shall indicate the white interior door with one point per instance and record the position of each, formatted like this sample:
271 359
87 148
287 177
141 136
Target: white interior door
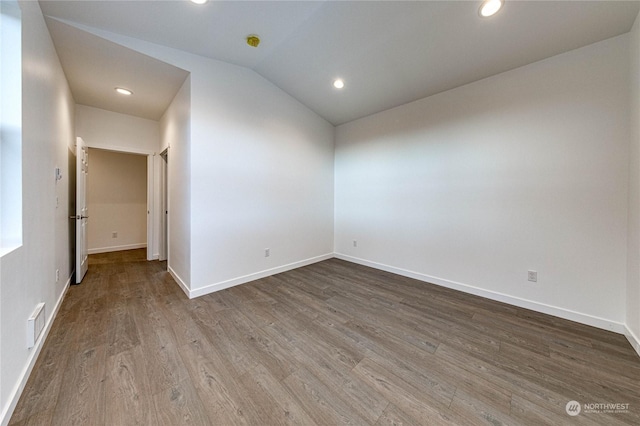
82 214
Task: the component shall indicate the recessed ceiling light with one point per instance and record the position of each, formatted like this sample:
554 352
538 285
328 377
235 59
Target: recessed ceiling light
124 91
338 83
490 7
199 1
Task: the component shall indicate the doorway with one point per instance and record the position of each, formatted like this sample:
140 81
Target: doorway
150 206
119 202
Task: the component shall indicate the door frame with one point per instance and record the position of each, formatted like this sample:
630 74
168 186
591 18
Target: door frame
152 209
163 205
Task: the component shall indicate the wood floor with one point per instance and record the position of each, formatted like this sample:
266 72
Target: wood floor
331 343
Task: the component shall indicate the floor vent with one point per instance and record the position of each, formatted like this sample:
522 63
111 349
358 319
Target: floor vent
35 325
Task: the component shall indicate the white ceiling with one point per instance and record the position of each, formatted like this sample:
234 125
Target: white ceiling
94 67
388 52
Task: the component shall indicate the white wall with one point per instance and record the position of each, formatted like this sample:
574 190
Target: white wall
633 271
261 177
28 273
126 133
175 128
117 201
261 173
473 187
100 128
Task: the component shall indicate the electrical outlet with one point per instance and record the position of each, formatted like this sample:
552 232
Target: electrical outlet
267 252
114 234
355 243
532 276
57 275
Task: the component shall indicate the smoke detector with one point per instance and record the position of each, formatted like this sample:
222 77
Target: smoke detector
253 40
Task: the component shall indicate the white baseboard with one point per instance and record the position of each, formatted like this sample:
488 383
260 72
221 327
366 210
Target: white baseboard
16 392
582 318
633 339
117 248
201 291
179 280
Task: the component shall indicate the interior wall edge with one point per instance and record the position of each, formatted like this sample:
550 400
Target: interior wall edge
212 288
35 353
632 338
179 280
582 318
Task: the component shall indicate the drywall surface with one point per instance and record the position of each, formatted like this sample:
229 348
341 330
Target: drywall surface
29 272
117 201
100 128
261 177
474 187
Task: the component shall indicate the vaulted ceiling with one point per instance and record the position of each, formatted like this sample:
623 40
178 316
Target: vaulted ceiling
388 52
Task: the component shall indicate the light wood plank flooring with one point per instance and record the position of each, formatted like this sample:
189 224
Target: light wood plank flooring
331 343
